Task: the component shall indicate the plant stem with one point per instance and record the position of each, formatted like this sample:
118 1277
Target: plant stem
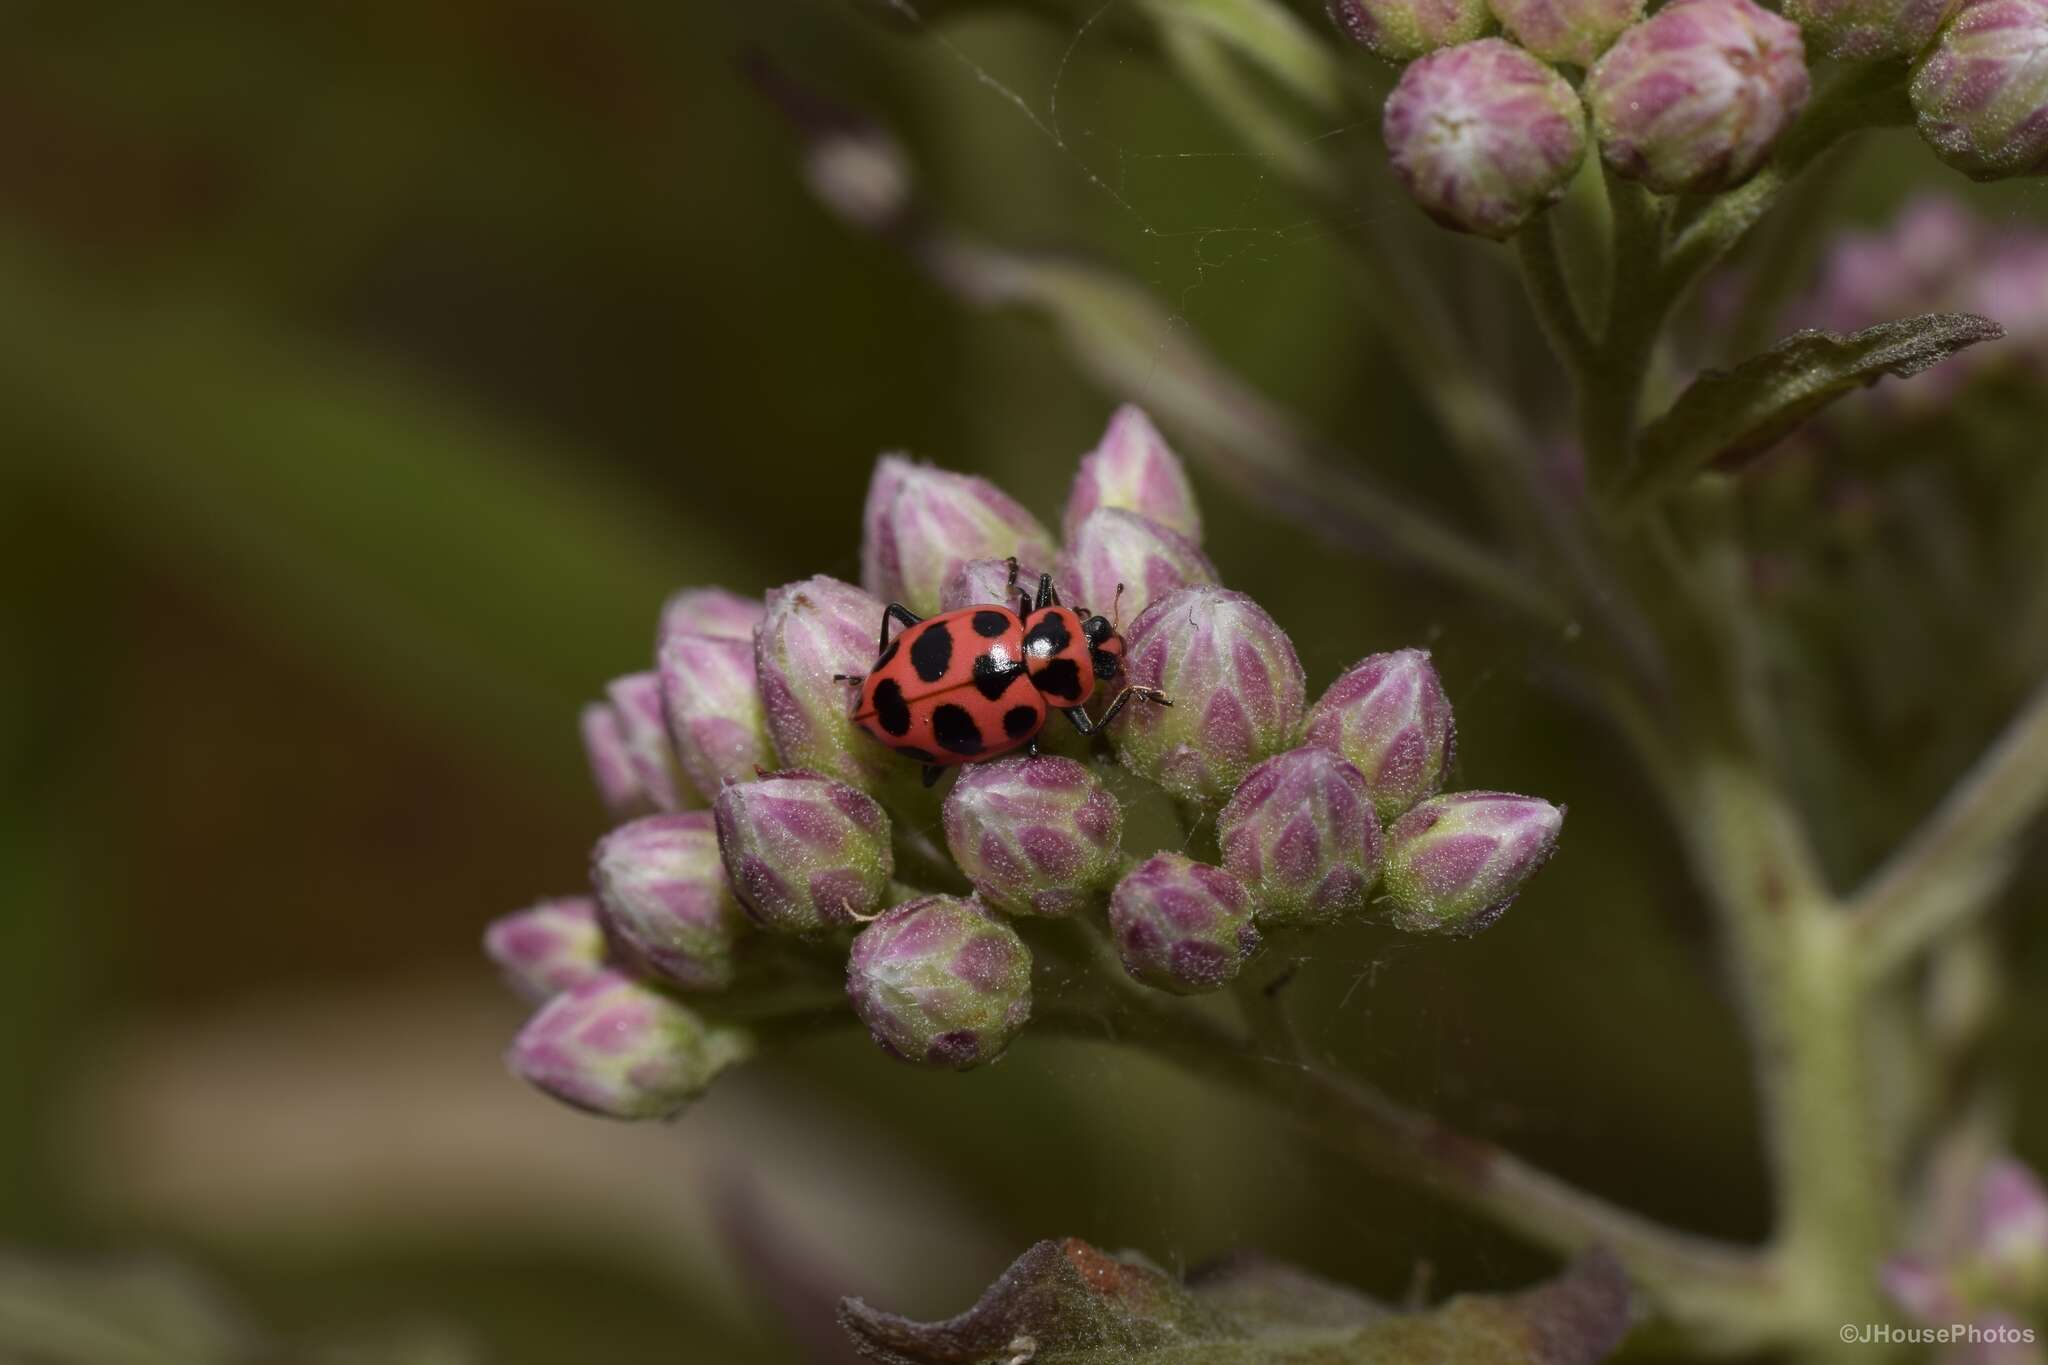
1956 863
1550 292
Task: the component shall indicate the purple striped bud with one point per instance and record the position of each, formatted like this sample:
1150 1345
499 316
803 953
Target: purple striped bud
813 630
1300 832
1182 926
1982 92
922 522
941 982
1455 863
1692 99
980 582
636 701
619 1047
1388 714
547 948
1235 684
1132 468
1036 836
611 763
1484 136
1401 30
1866 30
664 900
712 704
1113 548
805 853
1574 31
709 611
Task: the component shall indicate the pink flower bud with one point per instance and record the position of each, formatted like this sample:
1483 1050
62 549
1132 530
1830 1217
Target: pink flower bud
1388 714
1692 99
709 611
1400 30
805 853
1300 833
636 701
1484 136
664 899
547 948
712 703
941 982
621 1048
982 582
1235 684
1133 469
1982 91
1574 31
1036 836
1182 926
1455 863
922 523
813 630
1866 30
1113 548
611 762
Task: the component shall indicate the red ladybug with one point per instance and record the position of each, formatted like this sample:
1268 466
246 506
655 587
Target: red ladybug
977 683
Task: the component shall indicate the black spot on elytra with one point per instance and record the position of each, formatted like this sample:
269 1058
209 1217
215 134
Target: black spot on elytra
955 730
912 751
991 623
932 652
1060 678
887 655
992 677
1019 720
1047 638
890 708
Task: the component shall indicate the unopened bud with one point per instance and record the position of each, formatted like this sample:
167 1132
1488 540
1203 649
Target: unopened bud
547 948
1574 31
1401 30
941 982
1981 93
619 1047
987 582
1235 684
1388 714
636 700
709 611
664 898
611 762
1484 136
1692 99
1113 549
1868 30
1180 925
814 630
1455 863
712 701
1134 470
1036 836
806 854
1300 832
921 523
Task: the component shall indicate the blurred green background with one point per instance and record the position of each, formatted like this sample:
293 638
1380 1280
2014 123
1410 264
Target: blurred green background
368 374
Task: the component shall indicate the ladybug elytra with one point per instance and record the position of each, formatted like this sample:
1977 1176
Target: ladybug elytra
974 684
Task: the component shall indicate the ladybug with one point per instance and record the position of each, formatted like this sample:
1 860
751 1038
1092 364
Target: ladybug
978 683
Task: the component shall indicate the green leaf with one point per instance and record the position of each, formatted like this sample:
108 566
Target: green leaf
1067 1303
1729 417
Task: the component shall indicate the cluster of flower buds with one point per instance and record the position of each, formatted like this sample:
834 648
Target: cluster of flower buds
816 857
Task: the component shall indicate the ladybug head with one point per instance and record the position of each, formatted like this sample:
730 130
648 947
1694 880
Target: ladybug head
1105 646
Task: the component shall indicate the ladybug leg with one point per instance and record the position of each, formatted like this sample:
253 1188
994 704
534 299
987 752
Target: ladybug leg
1013 577
899 613
1078 718
932 773
1157 698
1046 596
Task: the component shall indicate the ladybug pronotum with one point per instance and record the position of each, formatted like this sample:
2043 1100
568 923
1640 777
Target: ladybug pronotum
974 684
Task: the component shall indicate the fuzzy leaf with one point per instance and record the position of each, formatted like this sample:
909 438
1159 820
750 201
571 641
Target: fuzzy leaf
1067 1303
1729 417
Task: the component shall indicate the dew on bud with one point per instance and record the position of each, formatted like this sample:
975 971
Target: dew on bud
1235 684
806 854
1981 93
1300 832
1692 99
1388 714
1134 470
921 523
624 1049
1036 836
1484 136
1455 863
1182 926
940 982
547 948
1113 548
664 899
